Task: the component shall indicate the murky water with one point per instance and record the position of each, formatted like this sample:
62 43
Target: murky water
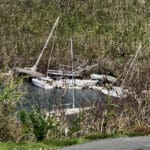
47 99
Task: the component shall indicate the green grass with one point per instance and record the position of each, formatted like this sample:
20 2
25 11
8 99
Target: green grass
61 143
45 145
97 136
56 144
132 134
26 146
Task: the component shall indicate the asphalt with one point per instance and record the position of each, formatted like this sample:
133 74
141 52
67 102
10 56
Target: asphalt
123 143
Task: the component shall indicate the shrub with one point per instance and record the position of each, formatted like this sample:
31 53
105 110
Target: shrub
10 94
36 123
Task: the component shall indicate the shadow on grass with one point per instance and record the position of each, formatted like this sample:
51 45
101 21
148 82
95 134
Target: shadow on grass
97 136
62 143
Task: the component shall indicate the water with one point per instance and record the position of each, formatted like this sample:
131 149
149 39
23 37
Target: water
48 99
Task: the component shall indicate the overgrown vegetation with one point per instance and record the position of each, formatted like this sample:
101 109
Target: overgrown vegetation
10 94
111 118
105 32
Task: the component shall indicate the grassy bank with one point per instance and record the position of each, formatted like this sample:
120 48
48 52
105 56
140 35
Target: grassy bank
26 146
56 144
47 145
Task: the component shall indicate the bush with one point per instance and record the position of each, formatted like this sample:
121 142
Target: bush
75 126
10 94
40 125
36 123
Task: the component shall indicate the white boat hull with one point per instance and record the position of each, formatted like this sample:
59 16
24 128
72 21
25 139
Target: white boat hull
85 83
67 111
41 84
63 83
69 83
113 92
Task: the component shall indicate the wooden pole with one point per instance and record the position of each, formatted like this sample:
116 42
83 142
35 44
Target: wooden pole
132 63
34 68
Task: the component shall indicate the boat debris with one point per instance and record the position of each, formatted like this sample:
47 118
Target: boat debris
85 83
70 79
112 91
42 84
48 83
103 77
28 72
67 111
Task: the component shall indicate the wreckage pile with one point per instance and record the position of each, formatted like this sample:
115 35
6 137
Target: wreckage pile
70 79
102 83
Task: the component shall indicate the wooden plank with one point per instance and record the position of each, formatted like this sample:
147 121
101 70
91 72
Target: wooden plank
77 73
57 73
28 71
